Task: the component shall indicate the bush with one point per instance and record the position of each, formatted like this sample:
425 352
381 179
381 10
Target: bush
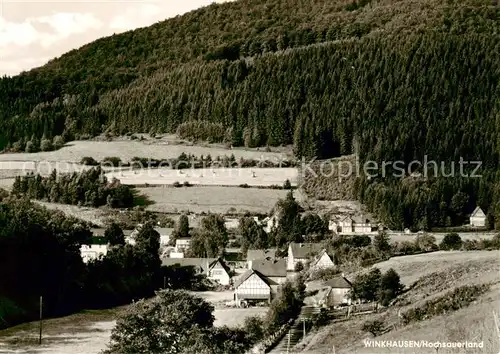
426 243
177 184
451 241
244 185
451 301
30 147
58 142
287 184
375 327
187 184
88 161
389 287
299 267
46 145
112 160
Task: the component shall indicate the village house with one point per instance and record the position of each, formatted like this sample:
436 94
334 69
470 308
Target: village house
253 255
352 225
335 292
301 252
321 261
214 268
478 218
272 268
270 223
252 287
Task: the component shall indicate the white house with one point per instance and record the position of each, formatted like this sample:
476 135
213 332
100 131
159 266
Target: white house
270 223
252 286
301 252
321 261
219 272
351 225
89 252
478 218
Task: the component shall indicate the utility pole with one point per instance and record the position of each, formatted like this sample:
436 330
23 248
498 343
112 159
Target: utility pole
41 320
304 325
164 282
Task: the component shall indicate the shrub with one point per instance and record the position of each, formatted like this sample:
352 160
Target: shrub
323 273
451 301
17 146
244 185
89 161
287 184
299 267
426 243
375 327
187 184
112 160
30 147
46 145
177 184
451 241
58 142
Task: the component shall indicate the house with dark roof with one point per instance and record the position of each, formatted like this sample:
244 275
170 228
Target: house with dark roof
253 255
214 268
302 252
272 268
334 292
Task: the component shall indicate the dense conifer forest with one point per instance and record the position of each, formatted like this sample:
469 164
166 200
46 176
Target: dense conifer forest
398 80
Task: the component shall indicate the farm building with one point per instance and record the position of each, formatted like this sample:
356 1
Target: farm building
252 286
214 268
478 218
301 252
322 260
351 225
253 255
335 292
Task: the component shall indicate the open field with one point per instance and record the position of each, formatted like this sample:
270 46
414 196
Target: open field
126 150
437 274
209 176
211 199
89 331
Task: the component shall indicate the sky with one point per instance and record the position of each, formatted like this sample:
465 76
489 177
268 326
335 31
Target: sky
34 31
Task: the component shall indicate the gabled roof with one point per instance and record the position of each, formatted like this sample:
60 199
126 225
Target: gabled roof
305 250
260 254
339 283
242 278
222 263
203 263
164 231
318 257
478 212
271 267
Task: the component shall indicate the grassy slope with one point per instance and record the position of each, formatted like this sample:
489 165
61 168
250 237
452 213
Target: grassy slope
439 272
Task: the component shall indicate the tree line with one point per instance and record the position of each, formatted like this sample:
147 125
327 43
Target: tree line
88 188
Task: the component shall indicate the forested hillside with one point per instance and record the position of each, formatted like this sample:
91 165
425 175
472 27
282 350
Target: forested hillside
400 79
